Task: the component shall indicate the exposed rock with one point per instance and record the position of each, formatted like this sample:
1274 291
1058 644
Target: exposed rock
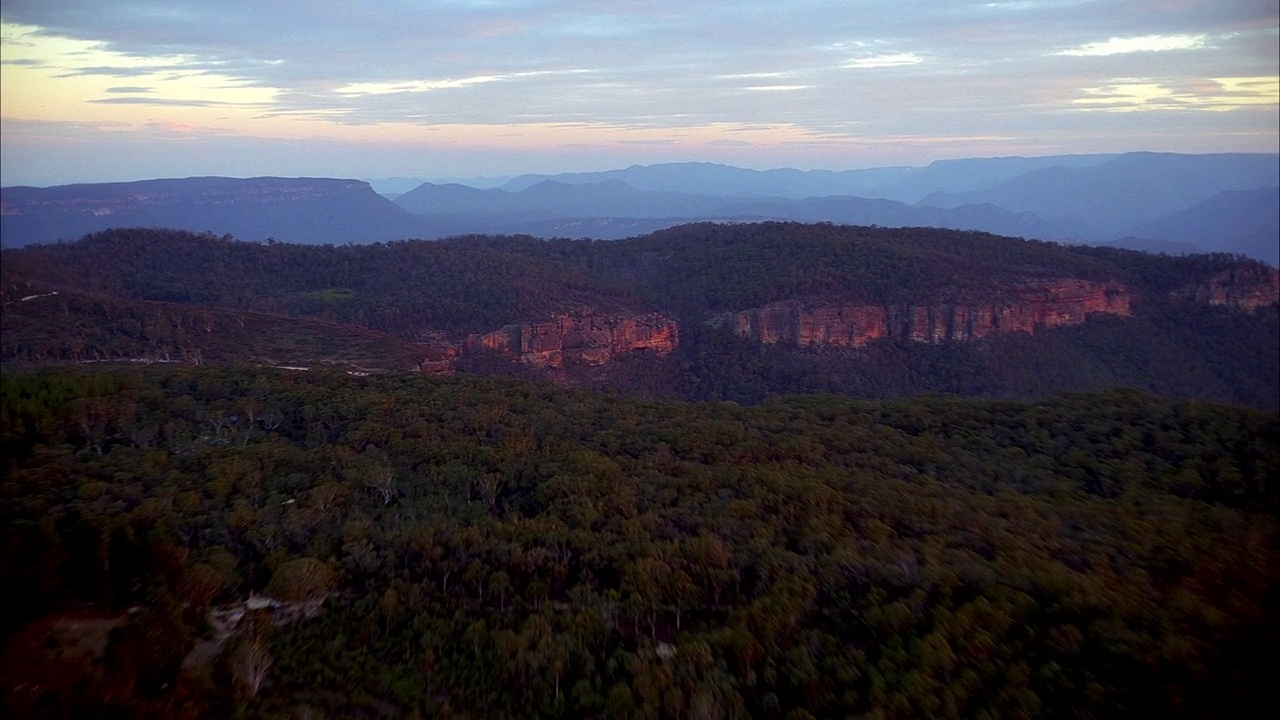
438 358
585 338
1035 305
1245 288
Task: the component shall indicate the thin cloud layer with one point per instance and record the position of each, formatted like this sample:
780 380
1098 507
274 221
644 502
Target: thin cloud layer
1146 43
879 61
643 73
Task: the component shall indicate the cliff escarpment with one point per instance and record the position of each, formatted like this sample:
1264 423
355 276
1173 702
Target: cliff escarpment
1029 308
580 338
961 313
1247 288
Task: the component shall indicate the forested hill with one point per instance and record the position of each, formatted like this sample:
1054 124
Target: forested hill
713 266
702 311
473 282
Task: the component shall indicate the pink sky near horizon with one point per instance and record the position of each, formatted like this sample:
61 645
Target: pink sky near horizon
93 91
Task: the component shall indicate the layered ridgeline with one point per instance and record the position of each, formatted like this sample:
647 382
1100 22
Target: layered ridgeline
1171 202
704 311
1163 201
213 542
302 210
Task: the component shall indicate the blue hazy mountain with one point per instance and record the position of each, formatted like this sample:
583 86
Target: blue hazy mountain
302 210
714 179
390 187
1246 222
1109 198
549 198
1161 200
902 183
969 174
529 210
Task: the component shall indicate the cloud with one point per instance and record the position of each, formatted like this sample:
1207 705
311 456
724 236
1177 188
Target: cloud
1212 94
417 86
413 86
929 69
1145 43
777 88
169 102
880 61
115 72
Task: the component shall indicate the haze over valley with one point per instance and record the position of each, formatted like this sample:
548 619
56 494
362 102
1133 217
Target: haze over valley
1159 202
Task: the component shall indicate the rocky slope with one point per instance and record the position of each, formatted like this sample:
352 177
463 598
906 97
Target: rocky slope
581 338
1035 306
1245 288
705 312
70 326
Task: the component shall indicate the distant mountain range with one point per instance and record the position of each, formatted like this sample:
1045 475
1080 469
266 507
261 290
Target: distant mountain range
532 208
1157 201
1123 193
301 210
1246 222
904 184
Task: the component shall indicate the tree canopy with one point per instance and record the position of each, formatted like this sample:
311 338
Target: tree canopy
501 548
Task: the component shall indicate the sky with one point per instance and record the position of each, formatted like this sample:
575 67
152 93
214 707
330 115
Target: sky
111 90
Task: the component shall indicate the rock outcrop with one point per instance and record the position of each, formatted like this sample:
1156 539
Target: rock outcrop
1243 288
581 338
1035 305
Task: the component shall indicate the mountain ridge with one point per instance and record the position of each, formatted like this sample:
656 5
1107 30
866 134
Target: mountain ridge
1094 199
1125 191
873 312
315 210
1241 221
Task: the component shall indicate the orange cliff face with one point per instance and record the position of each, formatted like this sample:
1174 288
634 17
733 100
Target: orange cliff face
1244 288
583 338
1040 304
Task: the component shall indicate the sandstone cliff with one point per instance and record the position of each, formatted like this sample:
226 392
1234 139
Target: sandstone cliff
1245 288
580 338
1035 305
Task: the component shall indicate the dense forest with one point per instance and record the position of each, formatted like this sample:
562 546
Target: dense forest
419 546
475 283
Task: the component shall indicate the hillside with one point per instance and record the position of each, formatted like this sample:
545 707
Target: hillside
701 311
71 326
